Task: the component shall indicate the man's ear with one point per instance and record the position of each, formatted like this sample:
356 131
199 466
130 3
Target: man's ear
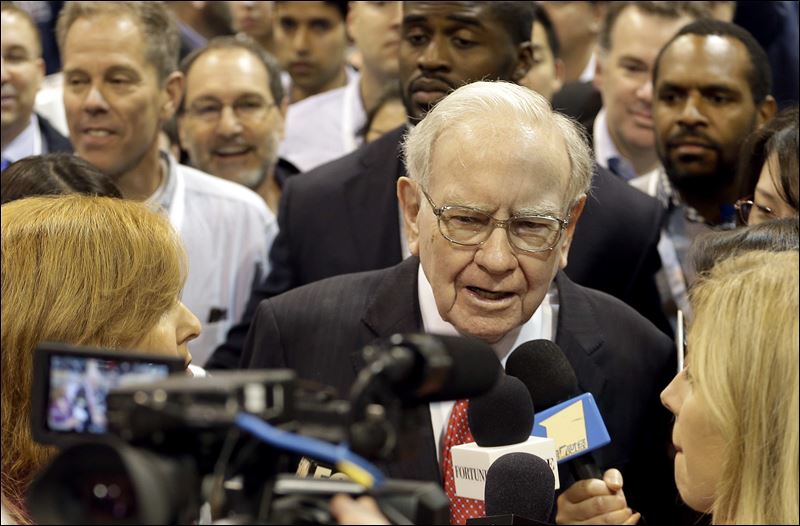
597 80
561 74
767 110
408 197
284 110
574 215
173 88
524 61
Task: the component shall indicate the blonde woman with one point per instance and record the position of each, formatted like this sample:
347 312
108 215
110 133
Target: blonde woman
81 270
736 403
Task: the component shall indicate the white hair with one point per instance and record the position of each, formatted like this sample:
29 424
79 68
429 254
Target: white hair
500 102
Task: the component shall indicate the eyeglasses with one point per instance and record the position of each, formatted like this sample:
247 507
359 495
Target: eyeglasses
246 110
746 206
470 227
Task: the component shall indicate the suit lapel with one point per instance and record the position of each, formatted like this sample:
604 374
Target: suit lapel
394 308
579 336
372 202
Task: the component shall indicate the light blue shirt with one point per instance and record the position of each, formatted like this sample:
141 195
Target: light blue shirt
27 143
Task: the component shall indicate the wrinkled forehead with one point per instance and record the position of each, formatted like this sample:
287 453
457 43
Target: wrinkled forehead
476 15
509 151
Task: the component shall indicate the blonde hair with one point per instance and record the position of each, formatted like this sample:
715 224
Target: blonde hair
505 103
81 270
744 356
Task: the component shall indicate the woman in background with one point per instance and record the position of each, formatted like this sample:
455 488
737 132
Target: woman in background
736 402
769 170
81 270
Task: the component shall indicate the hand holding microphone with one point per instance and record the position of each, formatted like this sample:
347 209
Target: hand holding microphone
594 501
551 381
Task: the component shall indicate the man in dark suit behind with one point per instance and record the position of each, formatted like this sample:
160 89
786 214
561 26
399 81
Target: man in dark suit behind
23 132
343 216
489 215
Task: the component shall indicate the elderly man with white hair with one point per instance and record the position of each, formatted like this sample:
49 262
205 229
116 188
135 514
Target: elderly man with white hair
497 183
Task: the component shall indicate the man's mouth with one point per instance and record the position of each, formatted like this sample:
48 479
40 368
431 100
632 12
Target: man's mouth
229 152
97 132
489 294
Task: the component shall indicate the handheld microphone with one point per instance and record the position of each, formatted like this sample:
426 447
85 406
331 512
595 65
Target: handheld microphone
500 422
572 418
520 489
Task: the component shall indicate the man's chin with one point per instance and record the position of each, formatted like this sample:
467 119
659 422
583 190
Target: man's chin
487 333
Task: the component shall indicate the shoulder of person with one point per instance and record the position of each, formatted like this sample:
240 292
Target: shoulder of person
343 294
618 320
371 159
231 195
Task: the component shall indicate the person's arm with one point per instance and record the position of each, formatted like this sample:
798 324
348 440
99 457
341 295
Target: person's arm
362 511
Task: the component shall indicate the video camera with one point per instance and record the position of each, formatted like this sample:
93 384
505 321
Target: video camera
226 443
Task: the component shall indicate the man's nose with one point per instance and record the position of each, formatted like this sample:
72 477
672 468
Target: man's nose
95 102
4 76
645 92
229 123
435 56
691 114
300 40
496 255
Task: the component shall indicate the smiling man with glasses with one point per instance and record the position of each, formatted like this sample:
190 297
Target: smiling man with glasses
231 119
496 184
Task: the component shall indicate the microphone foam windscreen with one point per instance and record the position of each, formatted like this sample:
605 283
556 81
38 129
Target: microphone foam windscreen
503 416
520 484
474 371
545 371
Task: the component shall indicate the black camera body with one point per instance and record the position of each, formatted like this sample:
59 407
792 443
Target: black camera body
228 440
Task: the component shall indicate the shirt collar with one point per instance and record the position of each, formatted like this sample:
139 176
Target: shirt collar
27 143
604 148
162 197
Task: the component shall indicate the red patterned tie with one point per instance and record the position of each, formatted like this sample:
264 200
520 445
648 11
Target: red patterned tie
458 433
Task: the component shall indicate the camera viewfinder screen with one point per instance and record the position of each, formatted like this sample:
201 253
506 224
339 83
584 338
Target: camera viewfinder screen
79 386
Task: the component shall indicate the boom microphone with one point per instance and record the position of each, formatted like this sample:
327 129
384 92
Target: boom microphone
409 370
431 368
571 418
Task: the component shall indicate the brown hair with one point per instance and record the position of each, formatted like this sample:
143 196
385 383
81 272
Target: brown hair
80 270
156 24
778 235
779 136
671 10
244 43
54 174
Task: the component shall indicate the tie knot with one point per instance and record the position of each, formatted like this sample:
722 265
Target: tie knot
620 167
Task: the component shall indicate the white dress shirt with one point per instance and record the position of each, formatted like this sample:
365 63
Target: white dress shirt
227 231
542 325
324 127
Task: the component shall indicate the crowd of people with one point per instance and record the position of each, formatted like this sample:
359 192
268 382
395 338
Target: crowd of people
250 185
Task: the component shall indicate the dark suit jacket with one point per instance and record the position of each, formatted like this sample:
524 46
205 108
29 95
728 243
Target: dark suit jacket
618 356
581 101
53 139
343 217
